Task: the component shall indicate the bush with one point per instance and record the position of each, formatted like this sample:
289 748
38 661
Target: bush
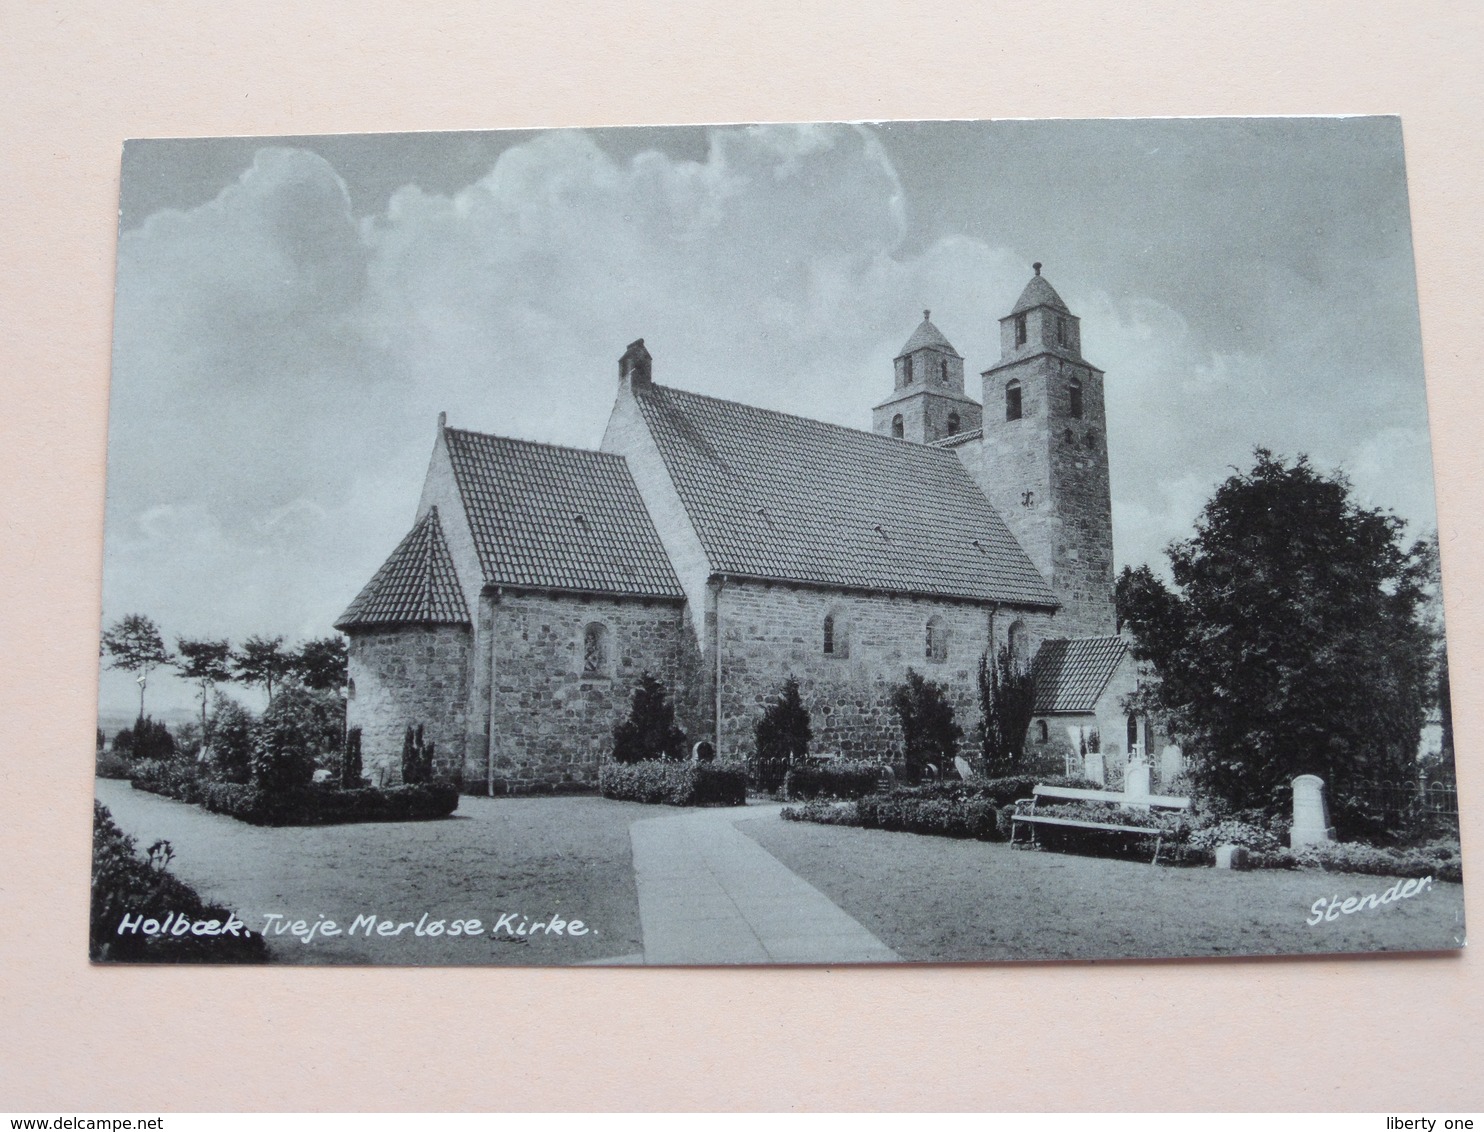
650 731
417 758
326 805
293 737
1001 791
823 813
148 739
674 783
782 737
976 818
1440 860
229 741
831 780
350 766
1234 832
929 733
173 779
106 764
124 883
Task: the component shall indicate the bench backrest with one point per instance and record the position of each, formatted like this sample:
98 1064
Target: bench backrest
1114 797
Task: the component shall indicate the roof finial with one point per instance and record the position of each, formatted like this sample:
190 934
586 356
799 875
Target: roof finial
1037 266
926 314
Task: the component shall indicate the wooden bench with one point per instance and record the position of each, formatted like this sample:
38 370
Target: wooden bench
1073 794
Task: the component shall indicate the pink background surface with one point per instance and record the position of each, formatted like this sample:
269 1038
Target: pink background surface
76 79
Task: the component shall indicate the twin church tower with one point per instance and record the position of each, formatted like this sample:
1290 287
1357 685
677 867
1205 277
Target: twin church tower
1036 445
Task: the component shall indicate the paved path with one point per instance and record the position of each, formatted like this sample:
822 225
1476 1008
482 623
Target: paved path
711 895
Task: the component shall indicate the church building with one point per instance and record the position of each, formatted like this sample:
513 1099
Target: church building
724 548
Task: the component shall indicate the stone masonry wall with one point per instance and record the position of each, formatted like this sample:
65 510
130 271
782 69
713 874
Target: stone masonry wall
406 676
770 632
551 724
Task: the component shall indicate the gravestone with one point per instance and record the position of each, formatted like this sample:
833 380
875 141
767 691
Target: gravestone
1310 814
1136 780
961 764
1231 857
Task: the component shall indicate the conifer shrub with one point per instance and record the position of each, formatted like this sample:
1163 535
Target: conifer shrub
781 737
350 766
417 757
930 735
650 731
229 740
148 740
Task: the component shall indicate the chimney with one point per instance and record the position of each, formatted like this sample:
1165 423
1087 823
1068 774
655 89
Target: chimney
633 367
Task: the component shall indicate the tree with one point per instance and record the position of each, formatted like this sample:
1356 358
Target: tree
209 663
321 664
133 643
781 735
229 738
1007 700
929 733
650 731
1291 643
262 661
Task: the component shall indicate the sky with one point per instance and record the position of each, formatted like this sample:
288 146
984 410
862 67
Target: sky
293 313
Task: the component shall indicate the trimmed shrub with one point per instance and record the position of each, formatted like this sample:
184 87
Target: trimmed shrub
1440 860
976 818
782 737
173 779
350 766
831 780
675 784
823 813
106 764
126 883
324 805
1252 837
929 732
650 731
417 758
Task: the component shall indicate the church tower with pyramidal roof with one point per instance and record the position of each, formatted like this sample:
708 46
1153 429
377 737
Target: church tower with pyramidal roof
927 401
1043 461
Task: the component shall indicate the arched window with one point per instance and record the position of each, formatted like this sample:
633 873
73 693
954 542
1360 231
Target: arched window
1020 330
1075 390
595 651
953 423
829 634
896 425
937 640
1020 646
906 371
1043 733
836 635
1012 401
1133 733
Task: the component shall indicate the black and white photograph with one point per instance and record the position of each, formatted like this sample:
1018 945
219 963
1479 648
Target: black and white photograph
835 543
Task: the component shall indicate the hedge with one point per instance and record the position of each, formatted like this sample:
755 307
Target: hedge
831 780
675 783
1439 859
125 883
316 804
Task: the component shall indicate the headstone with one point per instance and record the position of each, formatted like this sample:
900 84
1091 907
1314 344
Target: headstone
1136 782
1310 814
961 764
1092 767
1231 857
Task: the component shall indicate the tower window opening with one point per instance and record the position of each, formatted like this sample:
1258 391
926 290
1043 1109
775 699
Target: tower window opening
1012 401
1020 330
1075 389
906 371
1061 331
1068 438
897 429
953 424
943 371
1091 439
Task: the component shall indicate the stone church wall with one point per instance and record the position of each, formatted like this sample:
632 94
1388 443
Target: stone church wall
405 676
552 724
770 632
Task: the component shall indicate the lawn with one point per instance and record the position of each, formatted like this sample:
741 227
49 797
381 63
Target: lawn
530 856
940 900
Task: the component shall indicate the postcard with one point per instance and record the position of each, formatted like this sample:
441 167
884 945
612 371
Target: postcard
896 542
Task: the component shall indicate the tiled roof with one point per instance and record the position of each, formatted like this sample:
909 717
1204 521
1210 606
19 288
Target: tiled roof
557 518
783 497
415 586
958 438
1070 675
1039 293
927 334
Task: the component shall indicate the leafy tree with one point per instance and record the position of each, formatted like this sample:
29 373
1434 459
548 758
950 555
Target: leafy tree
781 735
1007 700
321 664
1291 643
208 663
229 738
133 643
299 731
929 732
650 731
262 660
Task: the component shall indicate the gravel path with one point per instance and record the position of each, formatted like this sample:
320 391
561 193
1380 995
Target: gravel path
530 856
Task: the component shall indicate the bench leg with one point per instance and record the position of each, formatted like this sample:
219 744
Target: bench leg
1158 841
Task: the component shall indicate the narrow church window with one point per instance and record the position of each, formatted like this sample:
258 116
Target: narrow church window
937 640
1075 389
943 371
1012 401
1019 646
1043 733
1091 439
953 423
595 650
1068 438
896 425
1020 330
1061 331
907 371
829 633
